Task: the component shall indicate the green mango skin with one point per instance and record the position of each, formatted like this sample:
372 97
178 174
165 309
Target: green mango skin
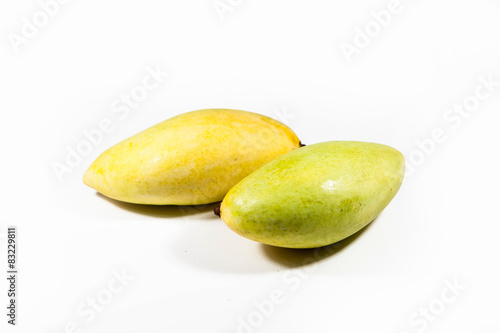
315 195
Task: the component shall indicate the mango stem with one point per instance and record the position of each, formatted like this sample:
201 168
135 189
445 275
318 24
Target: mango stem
217 210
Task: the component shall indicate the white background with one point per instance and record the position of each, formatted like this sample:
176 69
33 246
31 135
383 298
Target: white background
282 59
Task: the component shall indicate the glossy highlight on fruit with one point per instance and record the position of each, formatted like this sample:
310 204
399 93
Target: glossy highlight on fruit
191 159
316 195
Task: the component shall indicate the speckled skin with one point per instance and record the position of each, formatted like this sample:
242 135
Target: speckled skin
191 159
316 195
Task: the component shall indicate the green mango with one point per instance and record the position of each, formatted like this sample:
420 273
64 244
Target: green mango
191 159
315 195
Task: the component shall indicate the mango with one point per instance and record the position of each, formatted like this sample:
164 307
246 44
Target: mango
191 159
316 195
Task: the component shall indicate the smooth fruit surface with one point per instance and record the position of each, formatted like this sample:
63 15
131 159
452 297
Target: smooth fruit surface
190 159
316 195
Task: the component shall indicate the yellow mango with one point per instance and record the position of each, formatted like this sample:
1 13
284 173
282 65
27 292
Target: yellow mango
191 159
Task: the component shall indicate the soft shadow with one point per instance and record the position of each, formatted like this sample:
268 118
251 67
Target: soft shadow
301 257
212 246
162 211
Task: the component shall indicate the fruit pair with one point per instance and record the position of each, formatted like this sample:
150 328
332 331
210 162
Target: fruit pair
273 191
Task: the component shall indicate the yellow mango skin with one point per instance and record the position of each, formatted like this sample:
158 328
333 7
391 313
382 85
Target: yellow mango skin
316 195
191 159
